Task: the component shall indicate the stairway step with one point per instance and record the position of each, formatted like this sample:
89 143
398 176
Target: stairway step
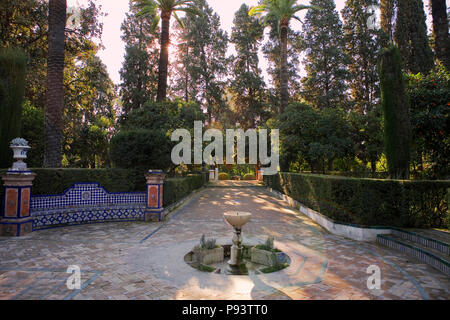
425 238
439 235
434 258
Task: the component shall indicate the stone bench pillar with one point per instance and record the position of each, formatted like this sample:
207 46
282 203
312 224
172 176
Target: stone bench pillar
154 198
16 220
211 174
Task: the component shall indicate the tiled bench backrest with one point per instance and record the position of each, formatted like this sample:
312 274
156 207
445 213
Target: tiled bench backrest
86 203
85 194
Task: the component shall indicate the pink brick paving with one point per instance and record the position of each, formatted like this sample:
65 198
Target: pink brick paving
137 260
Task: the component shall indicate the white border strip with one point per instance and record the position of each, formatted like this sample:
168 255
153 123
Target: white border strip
352 232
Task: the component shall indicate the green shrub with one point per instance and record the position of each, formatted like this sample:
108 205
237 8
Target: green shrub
141 148
224 176
249 176
368 202
33 129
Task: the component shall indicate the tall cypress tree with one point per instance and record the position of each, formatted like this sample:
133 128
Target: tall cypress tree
139 73
247 85
205 63
440 31
323 41
411 37
272 52
13 64
362 46
395 104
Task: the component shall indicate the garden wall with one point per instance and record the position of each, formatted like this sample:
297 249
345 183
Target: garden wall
368 202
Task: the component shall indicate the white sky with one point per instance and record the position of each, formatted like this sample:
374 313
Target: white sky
112 55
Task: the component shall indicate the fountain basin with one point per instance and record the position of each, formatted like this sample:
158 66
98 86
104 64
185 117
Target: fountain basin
237 218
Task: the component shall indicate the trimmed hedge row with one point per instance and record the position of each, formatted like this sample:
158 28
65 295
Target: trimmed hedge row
176 189
56 181
369 202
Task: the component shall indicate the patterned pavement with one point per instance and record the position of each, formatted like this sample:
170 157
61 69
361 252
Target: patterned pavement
138 260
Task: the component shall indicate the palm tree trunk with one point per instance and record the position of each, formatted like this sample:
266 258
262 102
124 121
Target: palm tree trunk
284 94
55 83
440 31
164 56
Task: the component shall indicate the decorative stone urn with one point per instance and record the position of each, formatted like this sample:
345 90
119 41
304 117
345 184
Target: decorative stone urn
20 148
237 220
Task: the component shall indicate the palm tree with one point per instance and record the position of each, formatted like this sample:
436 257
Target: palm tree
150 8
55 80
281 11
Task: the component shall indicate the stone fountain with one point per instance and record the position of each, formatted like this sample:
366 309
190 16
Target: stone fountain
237 219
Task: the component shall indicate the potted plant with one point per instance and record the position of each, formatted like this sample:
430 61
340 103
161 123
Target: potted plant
266 254
207 251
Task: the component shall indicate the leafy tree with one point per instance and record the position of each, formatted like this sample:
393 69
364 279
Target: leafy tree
411 36
166 116
145 136
89 115
363 47
395 101
55 81
440 31
430 96
325 63
317 136
367 137
139 72
24 23
150 8
282 11
206 64
27 24
12 87
247 85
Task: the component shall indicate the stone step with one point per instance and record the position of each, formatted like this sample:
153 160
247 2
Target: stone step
433 257
432 239
439 235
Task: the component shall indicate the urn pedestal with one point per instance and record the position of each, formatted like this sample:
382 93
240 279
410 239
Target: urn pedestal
16 220
154 203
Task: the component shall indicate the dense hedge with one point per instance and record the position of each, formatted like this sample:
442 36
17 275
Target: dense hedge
177 188
56 181
368 202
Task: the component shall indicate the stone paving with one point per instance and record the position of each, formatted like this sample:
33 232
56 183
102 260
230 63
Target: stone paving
137 260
